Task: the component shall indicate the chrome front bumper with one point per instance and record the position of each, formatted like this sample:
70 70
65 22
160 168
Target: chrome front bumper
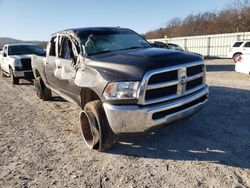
134 118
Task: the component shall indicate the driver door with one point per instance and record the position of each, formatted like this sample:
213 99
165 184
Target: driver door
65 71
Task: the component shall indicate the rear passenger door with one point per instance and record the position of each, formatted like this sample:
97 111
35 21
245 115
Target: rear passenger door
246 48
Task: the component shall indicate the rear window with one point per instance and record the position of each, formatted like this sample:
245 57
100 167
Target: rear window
247 44
237 44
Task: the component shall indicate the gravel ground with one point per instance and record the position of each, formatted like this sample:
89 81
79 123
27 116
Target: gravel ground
41 143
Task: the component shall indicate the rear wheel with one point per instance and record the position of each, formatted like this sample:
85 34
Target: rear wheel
15 80
42 91
236 56
96 131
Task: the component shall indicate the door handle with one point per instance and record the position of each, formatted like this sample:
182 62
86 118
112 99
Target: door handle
59 67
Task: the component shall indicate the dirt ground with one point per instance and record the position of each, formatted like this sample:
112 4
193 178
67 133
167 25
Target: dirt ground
41 144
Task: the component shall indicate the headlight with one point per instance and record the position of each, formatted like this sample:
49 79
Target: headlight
18 63
121 90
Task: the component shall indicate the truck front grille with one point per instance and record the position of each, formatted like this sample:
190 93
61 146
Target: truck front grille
28 75
169 83
160 92
26 64
194 70
194 83
163 77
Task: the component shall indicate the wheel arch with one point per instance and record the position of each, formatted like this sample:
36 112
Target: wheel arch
11 64
88 95
37 73
237 53
10 67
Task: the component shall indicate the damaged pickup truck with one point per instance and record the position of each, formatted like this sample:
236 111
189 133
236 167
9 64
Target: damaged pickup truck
122 84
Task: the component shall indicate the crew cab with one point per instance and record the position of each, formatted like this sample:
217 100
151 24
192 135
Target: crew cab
121 83
15 61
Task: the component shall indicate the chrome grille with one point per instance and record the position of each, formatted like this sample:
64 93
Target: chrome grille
26 64
172 82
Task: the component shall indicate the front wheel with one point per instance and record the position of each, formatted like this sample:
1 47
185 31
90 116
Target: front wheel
96 131
2 73
236 57
15 80
42 91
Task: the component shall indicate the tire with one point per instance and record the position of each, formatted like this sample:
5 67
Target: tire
235 57
2 73
96 131
15 80
38 88
42 91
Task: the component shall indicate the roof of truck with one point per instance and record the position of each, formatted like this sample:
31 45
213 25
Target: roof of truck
20 44
79 30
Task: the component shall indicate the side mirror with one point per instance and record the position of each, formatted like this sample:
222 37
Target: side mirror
4 54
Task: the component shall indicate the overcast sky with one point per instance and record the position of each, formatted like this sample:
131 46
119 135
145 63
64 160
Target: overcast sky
36 20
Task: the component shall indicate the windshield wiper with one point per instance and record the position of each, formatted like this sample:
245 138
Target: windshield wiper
106 51
102 52
135 47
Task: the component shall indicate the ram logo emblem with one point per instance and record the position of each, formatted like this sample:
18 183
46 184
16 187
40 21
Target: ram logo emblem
183 80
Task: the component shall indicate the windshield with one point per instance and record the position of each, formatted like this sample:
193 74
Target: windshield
25 49
109 40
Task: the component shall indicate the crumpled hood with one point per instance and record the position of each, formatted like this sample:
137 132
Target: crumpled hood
131 65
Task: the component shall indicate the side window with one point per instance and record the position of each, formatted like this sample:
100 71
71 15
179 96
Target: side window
65 49
52 49
237 44
247 45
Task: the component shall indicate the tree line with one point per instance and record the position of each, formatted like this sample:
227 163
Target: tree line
234 18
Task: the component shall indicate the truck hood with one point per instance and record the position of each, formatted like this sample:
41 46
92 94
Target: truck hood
131 65
20 56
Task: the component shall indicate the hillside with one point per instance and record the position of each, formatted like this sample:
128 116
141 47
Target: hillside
7 40
232 19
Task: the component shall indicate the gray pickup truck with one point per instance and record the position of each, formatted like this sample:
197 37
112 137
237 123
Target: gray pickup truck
121 82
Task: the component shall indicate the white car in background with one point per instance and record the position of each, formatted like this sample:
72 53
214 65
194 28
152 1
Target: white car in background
239 48
243 64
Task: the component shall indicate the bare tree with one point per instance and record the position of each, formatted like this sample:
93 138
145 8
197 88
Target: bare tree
239 8
234 18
